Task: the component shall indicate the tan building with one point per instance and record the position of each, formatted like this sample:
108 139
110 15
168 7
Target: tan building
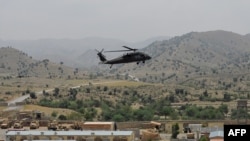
109 126
70 135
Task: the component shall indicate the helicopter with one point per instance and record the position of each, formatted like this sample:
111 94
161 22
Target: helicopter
133 56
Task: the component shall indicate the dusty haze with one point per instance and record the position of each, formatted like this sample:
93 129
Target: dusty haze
128 20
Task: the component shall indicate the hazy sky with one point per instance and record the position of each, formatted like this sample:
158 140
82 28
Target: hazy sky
128 20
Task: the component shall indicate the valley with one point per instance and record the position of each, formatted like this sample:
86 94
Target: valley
196 76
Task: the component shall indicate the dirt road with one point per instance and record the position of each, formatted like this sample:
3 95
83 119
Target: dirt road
12 104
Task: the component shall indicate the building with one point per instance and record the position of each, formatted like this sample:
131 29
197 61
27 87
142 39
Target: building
109 126
70 135
216 135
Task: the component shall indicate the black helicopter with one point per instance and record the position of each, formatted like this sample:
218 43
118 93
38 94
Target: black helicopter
134 56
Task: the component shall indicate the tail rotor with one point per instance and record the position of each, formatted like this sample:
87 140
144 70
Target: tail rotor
100 55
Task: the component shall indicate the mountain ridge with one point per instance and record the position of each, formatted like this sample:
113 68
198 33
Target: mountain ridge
17 63
69 50
194 54
180 58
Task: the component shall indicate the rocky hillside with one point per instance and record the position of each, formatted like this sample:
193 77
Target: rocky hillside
218 54
17 63
214 54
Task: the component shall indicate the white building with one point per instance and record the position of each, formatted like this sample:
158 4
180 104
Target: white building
70 135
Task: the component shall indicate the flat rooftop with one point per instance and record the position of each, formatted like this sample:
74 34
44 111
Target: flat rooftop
98 123
69 133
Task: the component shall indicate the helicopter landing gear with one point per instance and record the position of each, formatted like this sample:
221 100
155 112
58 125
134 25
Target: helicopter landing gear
143 62
137 63
111 66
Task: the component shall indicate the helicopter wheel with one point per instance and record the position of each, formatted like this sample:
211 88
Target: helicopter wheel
143 62
137 63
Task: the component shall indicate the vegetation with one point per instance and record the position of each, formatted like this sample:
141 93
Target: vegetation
175 130
194 76
204 138
87 101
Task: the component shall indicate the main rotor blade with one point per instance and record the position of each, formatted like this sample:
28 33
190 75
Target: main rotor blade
99 51
117 50
129 48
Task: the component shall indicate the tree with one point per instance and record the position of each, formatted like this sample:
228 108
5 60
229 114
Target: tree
54 114
33 95
90 113
191 111
166 110
56 92
105 88
172 98
175 130
62 117
118 118
227 97
205 93
223 108
72 105
174 115
72 93
204 138
87 90
143 114
240 113
107 114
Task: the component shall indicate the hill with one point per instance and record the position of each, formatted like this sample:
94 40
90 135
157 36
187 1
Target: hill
201 68
17 63
195 54
72 51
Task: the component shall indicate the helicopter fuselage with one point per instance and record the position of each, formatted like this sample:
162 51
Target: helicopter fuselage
125 58
129 58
